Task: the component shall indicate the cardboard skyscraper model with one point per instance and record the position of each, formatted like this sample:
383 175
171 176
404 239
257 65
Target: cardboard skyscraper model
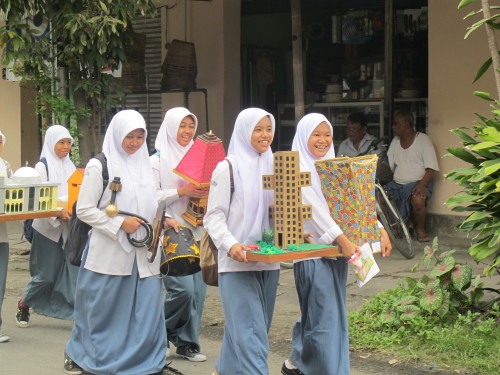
197 167
289 213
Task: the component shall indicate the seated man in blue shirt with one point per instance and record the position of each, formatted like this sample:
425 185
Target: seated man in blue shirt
358 140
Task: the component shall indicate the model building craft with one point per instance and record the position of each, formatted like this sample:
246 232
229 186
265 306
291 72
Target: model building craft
197 167
348 185
25 192
287 240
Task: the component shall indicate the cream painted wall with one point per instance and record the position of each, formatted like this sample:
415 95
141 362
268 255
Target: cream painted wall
214 28
10 108
453 62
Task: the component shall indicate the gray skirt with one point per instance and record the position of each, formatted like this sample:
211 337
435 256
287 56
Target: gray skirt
119 324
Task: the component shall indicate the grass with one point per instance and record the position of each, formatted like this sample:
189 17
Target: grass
469 342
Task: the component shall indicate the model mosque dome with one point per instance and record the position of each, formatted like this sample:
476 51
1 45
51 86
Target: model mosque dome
26 175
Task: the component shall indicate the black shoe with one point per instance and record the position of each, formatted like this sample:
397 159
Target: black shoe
286 371
70 367
191 353
22 316
167 370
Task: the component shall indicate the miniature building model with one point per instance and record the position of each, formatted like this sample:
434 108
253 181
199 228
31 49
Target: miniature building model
25 192
289 212
197 167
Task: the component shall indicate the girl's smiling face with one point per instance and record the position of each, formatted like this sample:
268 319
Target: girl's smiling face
320 140
63 147
262 135
133 141
186 131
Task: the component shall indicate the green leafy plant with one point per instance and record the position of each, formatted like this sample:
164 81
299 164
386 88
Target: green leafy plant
428 318
480 180
438 296
481 188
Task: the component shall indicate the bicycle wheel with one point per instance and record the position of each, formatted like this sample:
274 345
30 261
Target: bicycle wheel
394 224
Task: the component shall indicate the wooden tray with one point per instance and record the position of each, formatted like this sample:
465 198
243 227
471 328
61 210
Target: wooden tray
306 251
28 215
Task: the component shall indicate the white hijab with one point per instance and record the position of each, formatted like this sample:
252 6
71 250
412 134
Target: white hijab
305 127
60 169
3 168
138 195
249 166
171 152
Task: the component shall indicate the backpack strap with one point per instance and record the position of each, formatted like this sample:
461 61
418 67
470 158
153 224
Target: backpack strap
44 161
231 178
105 175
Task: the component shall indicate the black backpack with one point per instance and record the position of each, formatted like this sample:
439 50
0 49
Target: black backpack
28 223
78 230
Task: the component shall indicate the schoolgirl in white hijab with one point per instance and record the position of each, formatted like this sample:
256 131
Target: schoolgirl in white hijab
320 282
169 153
60 169
4 247
248 289
185 295
119 321
137 196
3 163
51 290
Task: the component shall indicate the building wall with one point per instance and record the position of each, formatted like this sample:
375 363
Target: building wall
214 28
10 105
453 62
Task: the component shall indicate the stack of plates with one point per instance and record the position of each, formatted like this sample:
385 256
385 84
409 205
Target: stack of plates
409 93
333 88
333 92
332 97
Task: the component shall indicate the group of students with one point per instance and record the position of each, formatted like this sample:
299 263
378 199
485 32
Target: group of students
119 316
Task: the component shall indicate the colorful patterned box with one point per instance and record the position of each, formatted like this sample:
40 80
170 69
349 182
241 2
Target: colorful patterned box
348 185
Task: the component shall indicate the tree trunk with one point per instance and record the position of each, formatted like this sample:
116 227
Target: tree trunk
492 44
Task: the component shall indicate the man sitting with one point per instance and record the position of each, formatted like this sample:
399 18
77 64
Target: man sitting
358 140
413 160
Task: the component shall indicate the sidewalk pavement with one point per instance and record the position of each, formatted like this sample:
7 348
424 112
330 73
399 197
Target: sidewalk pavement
39 349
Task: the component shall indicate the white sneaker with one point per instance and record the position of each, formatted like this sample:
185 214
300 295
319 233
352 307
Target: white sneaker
167 354
4 338
191 353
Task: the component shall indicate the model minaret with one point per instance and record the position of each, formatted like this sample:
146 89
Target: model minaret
289 212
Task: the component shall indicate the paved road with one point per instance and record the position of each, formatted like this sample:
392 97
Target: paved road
39 349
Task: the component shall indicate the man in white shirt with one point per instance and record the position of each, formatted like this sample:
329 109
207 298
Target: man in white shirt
358 140
413 160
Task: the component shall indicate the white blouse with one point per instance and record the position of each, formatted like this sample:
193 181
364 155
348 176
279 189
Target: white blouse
223 222
169 196
105 254
51 227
